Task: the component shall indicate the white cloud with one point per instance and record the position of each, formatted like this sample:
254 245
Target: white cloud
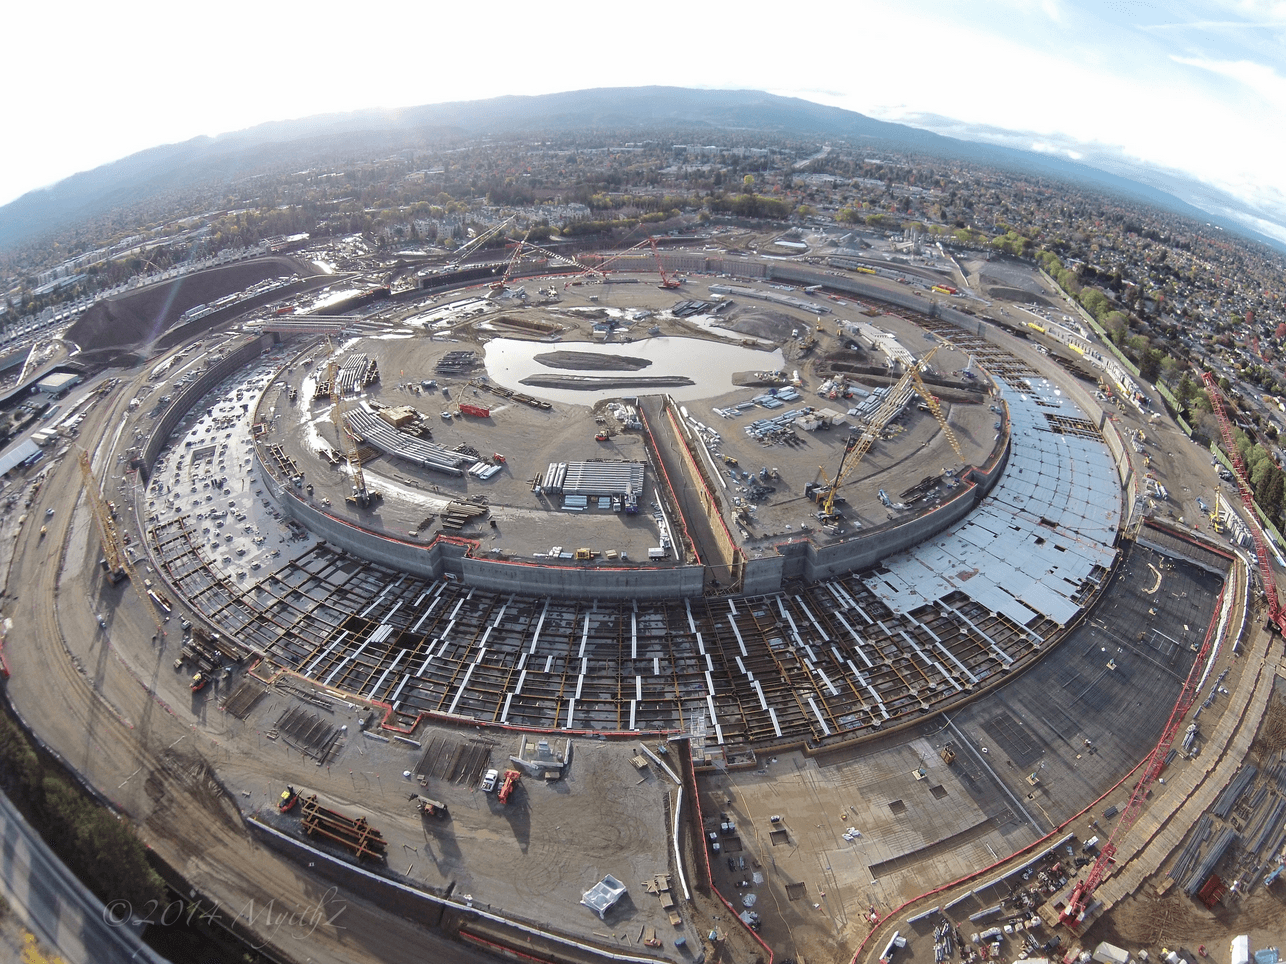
1260 78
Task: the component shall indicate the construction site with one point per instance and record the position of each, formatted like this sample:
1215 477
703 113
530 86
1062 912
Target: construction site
740 662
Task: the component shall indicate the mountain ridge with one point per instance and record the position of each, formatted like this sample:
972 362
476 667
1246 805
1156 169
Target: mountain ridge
154 173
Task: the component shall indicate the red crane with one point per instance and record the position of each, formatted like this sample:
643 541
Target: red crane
507 787
666 282
513 263
1276 618
1074 914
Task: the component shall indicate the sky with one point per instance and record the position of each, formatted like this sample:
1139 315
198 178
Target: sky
1194 88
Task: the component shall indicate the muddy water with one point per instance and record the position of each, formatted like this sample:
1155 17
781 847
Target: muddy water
709 364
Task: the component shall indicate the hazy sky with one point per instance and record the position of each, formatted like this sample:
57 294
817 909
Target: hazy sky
1197 87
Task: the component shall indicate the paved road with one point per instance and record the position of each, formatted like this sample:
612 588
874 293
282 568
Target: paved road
55 905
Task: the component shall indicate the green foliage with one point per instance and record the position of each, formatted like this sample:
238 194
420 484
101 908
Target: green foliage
751 206
849 215
1012 243
99 847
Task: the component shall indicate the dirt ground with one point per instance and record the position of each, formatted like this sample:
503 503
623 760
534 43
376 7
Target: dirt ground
530 438
1147 922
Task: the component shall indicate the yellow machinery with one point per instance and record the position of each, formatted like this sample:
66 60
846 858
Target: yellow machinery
857 448
115 558
361 495
935 408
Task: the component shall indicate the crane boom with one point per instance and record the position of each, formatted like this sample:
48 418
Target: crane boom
113 550
1276 617
936 409
513 263
117 559
855 452
361 495
1074 913
1077 905
465 250
666 281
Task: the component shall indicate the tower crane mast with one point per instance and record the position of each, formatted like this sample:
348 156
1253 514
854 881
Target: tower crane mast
1276 617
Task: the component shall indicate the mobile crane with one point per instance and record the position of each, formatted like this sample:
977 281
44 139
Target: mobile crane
361 496
1078 904
857 447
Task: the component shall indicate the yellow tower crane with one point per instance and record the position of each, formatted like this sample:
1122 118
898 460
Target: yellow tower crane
932 404
857 448
361 495
115 558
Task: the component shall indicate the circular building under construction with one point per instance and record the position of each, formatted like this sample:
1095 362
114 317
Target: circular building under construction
776 516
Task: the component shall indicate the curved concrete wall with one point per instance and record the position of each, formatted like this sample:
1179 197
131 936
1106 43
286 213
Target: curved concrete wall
450 557
864 552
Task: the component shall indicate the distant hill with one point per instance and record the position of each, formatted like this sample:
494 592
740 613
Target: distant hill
176 170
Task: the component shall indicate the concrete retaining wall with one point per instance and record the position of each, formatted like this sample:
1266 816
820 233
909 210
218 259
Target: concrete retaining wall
869 548
698 478
587 583
450 557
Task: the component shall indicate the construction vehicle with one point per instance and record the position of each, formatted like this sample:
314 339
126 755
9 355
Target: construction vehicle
601 437
584 555
857 446
286 802
199 682
428 807
508 785
668 282
43 531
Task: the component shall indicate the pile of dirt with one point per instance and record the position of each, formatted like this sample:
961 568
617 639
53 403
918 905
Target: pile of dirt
773 326
1017 295
139 317
586 361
